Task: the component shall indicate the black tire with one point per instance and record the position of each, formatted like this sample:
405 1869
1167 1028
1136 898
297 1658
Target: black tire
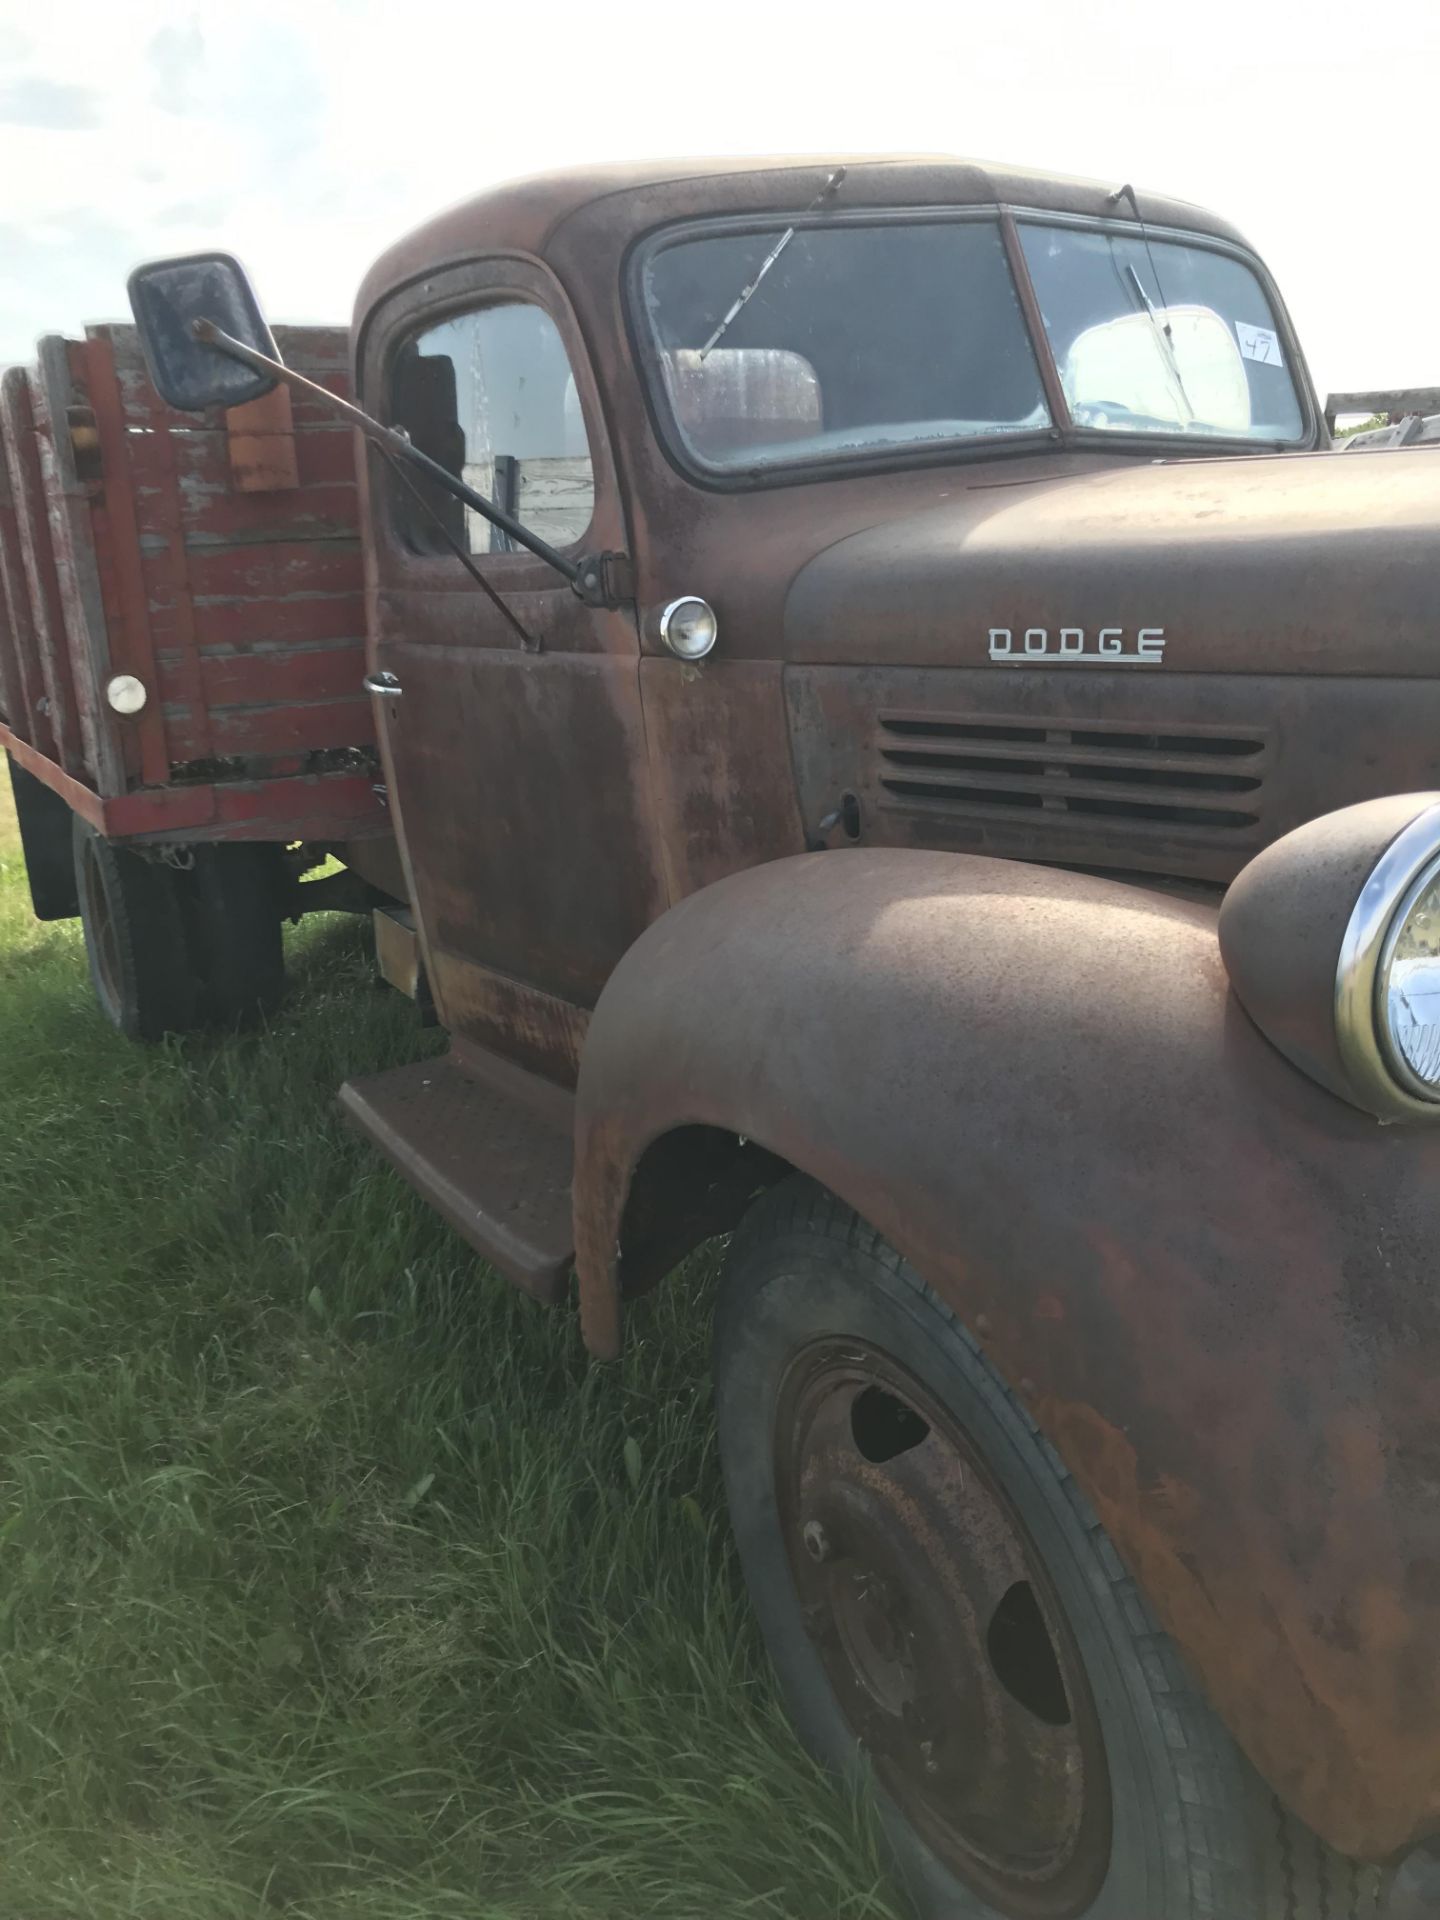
135 937
1190 1832
232 904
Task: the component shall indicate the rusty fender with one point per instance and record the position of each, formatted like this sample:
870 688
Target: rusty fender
1213 1283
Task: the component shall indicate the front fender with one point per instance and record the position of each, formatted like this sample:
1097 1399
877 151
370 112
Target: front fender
1212 1283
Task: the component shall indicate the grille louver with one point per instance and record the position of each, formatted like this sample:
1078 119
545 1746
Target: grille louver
1165 782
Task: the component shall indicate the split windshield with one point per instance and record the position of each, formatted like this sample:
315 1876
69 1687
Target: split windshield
864 338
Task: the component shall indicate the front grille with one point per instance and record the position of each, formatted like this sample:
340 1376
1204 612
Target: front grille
1166 781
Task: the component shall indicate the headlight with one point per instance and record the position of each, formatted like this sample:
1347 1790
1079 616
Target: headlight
1410 988
1332 941
1387 981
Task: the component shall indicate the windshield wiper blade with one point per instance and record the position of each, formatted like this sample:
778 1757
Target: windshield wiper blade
768 262
1166 339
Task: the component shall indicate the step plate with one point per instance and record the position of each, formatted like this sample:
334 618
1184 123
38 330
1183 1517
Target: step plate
490 1147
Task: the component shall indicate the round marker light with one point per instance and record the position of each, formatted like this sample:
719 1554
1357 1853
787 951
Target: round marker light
1409 988
126 694
689 628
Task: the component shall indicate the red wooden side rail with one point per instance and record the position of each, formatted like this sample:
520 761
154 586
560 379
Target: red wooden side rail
216 560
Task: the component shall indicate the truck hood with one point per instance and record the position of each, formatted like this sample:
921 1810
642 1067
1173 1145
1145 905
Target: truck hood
1274 564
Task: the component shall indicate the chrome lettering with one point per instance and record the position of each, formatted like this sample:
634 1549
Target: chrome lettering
1080 646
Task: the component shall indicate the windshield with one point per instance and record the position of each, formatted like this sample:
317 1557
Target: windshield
859 338
1157 336
863 337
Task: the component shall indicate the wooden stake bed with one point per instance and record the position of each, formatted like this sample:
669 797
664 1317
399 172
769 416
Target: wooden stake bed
216 558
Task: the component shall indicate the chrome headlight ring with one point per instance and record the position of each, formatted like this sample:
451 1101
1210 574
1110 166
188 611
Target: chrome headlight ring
1372 1055
688 627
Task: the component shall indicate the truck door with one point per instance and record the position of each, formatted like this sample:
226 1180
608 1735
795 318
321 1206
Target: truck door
514 767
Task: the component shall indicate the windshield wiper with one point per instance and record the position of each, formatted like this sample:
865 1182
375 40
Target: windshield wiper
768 262
1162 328
1166 340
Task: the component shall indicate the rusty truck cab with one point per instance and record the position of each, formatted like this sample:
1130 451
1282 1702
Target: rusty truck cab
841 858
1057 636
626 778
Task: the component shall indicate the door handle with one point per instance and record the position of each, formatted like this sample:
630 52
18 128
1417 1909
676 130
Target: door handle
382 683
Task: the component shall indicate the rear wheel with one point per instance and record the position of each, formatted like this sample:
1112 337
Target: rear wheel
231 900
134 937
174 949
946 1614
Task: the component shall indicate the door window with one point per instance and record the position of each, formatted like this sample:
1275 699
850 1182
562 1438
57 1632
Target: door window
490 394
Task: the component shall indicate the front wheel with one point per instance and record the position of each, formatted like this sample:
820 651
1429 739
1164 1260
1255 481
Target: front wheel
947 1615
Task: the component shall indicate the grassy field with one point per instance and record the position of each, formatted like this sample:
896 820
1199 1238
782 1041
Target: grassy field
334 1581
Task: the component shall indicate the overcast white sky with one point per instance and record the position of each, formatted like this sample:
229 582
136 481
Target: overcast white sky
306 134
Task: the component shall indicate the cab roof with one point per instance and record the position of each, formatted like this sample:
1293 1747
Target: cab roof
619 202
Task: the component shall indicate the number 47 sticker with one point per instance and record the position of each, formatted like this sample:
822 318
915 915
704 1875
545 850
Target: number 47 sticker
1259 343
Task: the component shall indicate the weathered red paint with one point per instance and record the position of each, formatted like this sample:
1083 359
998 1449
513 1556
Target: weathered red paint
46 617
331 806
117 544
261 438
21 687
321 670
240 609
76 795
60 415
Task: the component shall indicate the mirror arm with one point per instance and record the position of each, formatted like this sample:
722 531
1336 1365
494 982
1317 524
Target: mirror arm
587 576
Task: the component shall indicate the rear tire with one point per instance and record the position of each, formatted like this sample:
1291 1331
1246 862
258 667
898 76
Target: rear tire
134 937
171 949
231 901
884 1485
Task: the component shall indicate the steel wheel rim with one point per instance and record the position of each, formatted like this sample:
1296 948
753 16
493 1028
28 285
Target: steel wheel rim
940 1632
100 922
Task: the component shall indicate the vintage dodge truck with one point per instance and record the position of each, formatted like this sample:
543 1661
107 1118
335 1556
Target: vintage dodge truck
899 742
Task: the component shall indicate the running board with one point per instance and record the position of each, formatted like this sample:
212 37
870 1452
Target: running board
490 1147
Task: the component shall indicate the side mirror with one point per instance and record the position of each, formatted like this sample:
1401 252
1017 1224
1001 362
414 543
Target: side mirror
167 297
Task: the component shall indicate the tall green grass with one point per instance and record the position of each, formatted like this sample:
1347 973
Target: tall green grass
334 1579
